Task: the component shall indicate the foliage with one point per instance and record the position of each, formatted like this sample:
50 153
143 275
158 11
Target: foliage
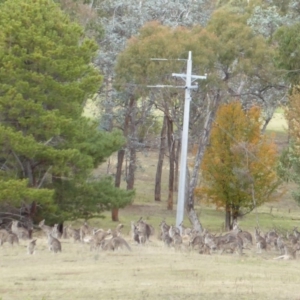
46 76
101 195
239 166
289 166
287 58
266 21
134 65
245 62
85 14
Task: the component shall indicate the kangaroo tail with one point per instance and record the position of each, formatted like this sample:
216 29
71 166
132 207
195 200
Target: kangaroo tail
127 246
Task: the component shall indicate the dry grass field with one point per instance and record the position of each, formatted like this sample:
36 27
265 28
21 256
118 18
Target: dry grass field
148 272
154 271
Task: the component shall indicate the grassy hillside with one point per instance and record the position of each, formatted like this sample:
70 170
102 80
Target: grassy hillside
282 214
154 271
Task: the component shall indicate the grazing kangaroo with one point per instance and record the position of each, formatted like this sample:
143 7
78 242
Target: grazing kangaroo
31 247
54 244
46 229
196 240
22 233
232 246
261 243
115 243
98 237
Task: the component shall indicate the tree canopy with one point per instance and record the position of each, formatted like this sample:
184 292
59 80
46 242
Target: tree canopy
239 166
46 76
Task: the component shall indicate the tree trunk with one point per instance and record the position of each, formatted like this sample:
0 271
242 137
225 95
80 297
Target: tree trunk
131 168
176 176
118 176
157 192
115 215
171 163
266 122
203 141
121 154
131 144
227 218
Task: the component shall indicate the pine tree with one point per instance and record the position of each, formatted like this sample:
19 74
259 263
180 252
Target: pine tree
46 75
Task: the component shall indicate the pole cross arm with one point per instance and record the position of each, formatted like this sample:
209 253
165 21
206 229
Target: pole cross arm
195 77
166 86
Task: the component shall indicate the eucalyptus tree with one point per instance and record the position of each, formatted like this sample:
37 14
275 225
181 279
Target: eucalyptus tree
135 67
121 20
246 63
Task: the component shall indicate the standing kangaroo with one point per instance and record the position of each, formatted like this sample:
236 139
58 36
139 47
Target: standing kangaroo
54 244
260 241
31 247
47 229
22 233
3 236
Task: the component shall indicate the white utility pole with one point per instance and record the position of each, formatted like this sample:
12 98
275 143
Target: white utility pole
189 78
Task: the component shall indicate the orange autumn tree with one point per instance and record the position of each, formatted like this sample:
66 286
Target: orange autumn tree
239 166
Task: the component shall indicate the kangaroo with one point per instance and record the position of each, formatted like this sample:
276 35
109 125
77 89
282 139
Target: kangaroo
22 233
12 239
233 246
174 234
116 243
84 231
210 242
244 235
144 229
271 238
280 244
46 229
98 237
260 241
54 244
289 252
55 232
65 232
3 236
134 232
196 240
296 233
74 233
31 247
185 230
165 237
